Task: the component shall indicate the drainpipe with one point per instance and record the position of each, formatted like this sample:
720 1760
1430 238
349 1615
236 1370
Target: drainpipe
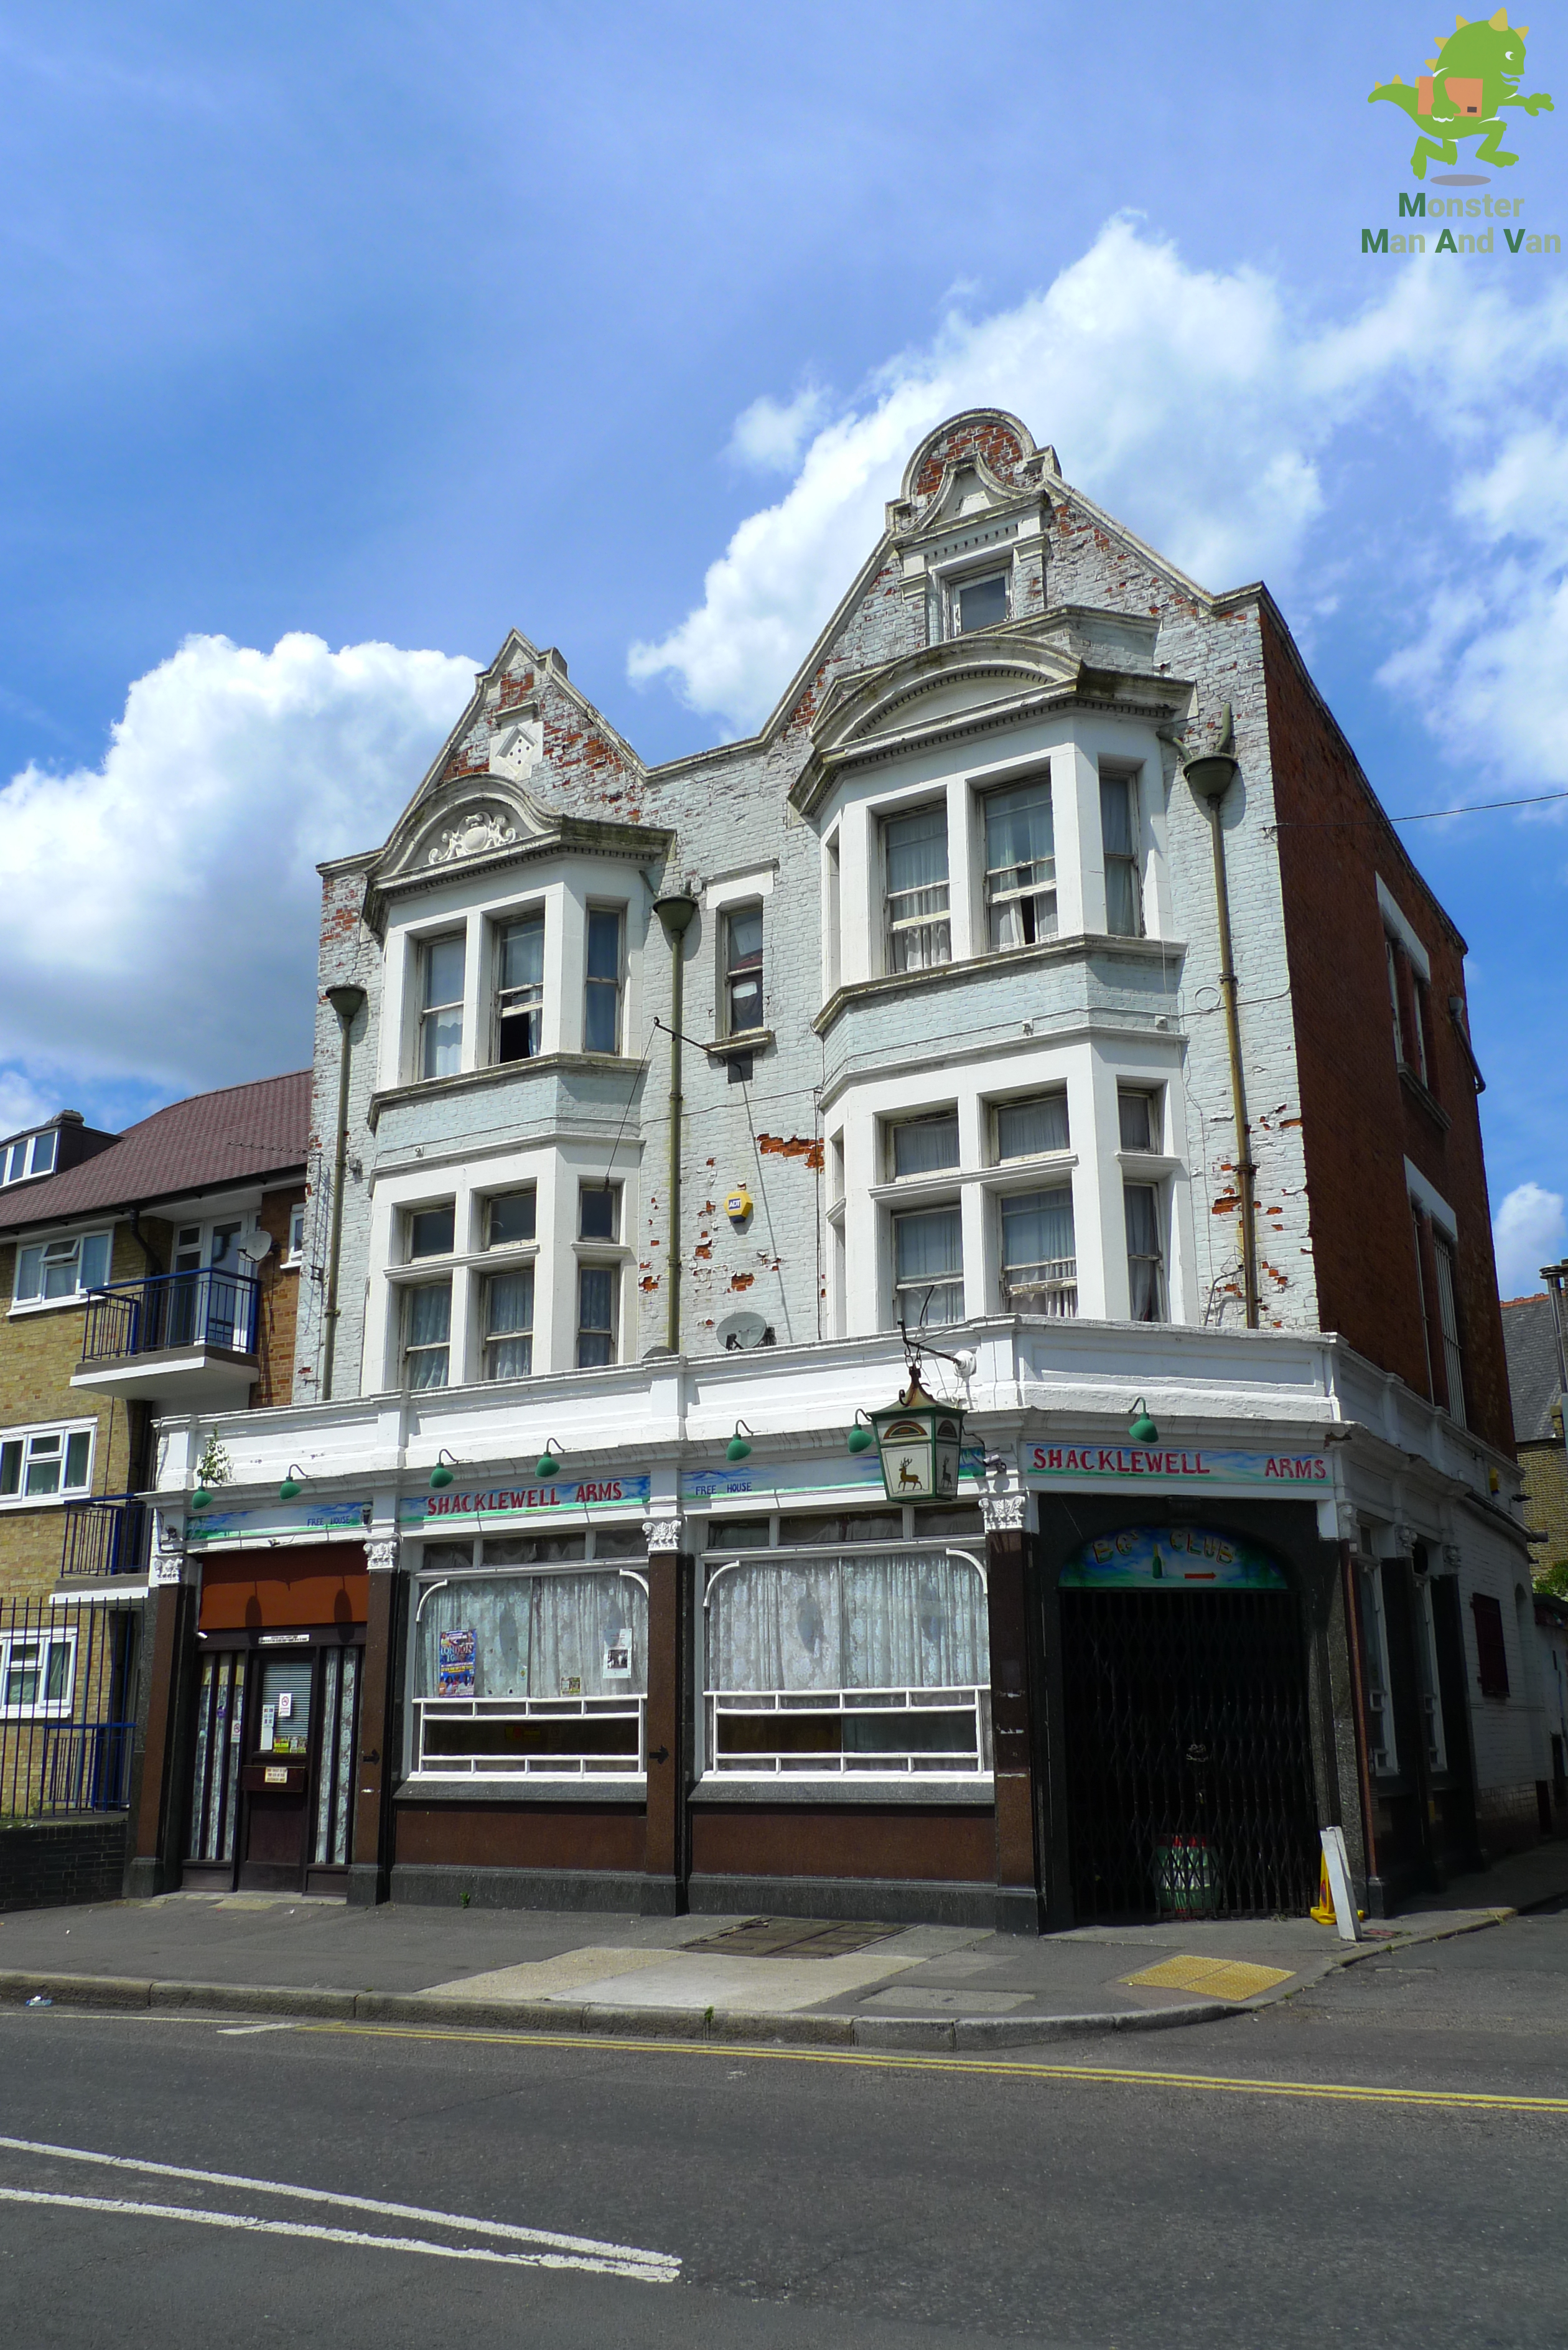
1209 774
346 1002
675 913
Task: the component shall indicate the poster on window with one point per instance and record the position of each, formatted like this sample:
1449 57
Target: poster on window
455 1669
617 1657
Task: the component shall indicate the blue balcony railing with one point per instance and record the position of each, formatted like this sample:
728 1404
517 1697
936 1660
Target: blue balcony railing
171 1310
106 1537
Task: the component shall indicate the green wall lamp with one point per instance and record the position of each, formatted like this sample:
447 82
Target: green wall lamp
200 1498
440 1475
1141 1427
548 1464
737 1448
289 1489
861 1438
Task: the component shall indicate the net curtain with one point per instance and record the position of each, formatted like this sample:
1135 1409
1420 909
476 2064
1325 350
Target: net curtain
534 1633
885 1620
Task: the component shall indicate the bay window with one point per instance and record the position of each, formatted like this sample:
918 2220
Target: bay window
927 1267
1020 865
919 926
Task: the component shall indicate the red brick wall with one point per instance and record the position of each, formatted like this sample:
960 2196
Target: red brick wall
1360 1120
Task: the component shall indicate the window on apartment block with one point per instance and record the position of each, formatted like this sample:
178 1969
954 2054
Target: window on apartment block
426 1334
1020 865
978 602
519 987
927 1267
1119 843
510 1217
1491 1650
602 987
40 1464
441 1006
1146 1258
431 1232
1137 1119
598 1289
509 1325
295 1248
37 1672
1448 1322
1027 1129
1039 1256
743 969
915 852
30 1154
923 1146
51 1269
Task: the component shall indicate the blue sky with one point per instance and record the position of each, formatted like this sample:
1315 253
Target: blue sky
338 340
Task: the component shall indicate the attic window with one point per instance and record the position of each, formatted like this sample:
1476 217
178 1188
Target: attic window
979 603
31 1154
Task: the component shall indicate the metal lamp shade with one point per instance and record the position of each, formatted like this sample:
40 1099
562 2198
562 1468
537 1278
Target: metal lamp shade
918 1442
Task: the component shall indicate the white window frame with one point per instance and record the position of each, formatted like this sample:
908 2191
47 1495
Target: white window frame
72 1245
45 1639
617 909
514 917
746 975
512 1264
1039 894
29 1146
1130 780
294 1251
993 566
1161 1262
407 1348
426 1012
1059 1276
922 1291
31 1433
896 926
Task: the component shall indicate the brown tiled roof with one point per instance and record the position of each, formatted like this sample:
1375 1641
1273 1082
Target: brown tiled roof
230 1137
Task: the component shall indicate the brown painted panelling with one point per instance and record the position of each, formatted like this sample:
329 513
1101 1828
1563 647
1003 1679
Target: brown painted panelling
927 1846
326 1585
1359 1118
279 1302
535 1836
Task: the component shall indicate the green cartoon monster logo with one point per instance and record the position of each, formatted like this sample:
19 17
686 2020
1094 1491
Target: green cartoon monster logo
1462 95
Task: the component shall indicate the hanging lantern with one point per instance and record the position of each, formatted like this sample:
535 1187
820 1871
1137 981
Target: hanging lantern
918 1441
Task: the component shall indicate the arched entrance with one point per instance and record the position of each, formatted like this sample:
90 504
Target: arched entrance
1190 1779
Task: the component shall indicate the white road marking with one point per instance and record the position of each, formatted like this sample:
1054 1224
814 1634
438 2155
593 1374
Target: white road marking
589 2247
654 2268
243 2030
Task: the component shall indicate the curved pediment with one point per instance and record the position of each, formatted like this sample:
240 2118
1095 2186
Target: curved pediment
486 821
929 692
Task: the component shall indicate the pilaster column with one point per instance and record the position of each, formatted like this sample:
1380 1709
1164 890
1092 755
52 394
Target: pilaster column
1012 1712
669 1716
369 1870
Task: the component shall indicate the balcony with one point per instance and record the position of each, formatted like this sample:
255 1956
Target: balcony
186 1340
107 1536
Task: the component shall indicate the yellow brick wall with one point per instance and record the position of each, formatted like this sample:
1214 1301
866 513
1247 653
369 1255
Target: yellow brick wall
1545 1468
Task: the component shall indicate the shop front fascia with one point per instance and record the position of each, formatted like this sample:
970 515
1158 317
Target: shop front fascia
654 1678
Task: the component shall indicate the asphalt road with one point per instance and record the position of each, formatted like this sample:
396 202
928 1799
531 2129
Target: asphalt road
1362 2164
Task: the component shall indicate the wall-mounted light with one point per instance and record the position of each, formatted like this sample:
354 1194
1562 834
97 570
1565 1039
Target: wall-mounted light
861 1436
548 1464
200 1498
289 1489
440 1475
1141 1427
737 1448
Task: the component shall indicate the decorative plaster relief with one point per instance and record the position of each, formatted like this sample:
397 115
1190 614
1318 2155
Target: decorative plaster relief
381 1558
517 747
480 829
1004 1513
663 1533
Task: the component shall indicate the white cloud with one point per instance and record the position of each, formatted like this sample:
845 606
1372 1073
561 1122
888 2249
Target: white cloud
162 908
23 1102
1195 404
768 434
1527 1232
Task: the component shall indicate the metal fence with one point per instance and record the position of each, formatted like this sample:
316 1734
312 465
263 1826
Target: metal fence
66 1696
172 1309
106 1537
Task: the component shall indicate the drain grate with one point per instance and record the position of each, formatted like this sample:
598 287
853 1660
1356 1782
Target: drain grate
793 1938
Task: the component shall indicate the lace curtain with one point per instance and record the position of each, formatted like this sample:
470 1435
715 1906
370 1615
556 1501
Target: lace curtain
887 1620
535 1633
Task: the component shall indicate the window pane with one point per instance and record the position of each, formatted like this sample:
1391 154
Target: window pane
57 1681
10 1469
30 1271
443 1054
1116 815
511 1218
43 1465
596 1315
1118 833
44 1150
1024 1128
923 1144
745 938
431 1232
1039 1264
1136 1112
443 971
744 966
600 1212
60 1269
982 602
538 1635
509 1307
917 848
429 1314
604 943
927 1265
1145 1283
79 1448
95 1260
15 1162
522 953
1020 865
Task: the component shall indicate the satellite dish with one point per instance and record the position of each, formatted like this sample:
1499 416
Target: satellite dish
254 1246
741 1332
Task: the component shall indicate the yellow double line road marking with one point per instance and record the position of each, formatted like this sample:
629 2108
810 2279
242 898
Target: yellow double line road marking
985 2067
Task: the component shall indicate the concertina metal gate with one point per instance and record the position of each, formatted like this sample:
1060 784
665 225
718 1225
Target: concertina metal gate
1189 1778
